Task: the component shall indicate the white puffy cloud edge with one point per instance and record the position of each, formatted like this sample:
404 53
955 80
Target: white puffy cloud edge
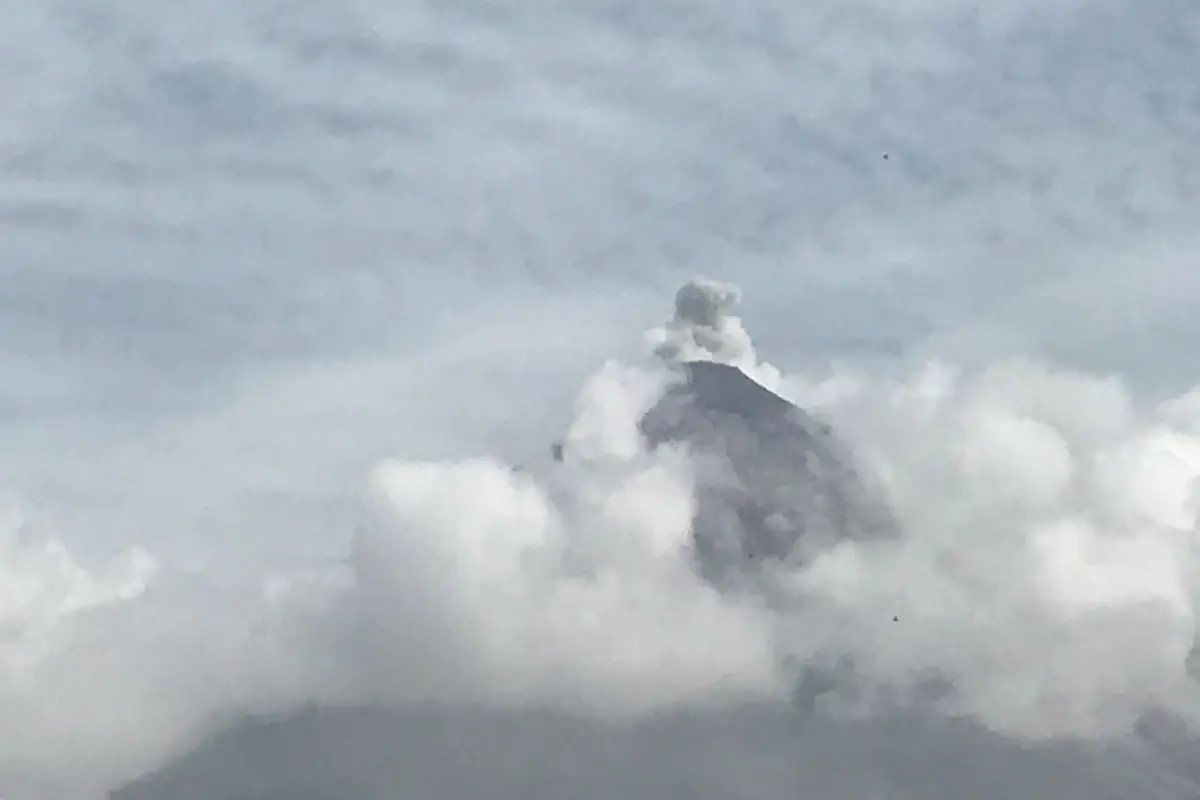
1047 571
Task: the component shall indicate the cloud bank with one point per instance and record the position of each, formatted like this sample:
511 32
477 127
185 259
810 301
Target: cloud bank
1044 584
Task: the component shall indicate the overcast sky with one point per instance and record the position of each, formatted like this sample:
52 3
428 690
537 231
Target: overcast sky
248 250
209 208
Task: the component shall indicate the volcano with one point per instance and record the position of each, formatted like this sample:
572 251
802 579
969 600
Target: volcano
774 484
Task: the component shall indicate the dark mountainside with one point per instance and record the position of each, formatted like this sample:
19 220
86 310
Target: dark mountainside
749 754
773 482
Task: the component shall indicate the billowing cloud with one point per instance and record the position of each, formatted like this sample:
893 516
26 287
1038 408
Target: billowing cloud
1044 580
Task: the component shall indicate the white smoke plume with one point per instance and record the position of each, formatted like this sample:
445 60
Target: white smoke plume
705 328
1046 576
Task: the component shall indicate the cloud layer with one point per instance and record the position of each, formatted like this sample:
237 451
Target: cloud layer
1045 581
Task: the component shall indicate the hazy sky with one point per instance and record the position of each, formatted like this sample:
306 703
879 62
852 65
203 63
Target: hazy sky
208 208
247 251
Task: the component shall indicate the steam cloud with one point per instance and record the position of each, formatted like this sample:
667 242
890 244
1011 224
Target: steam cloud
1045 575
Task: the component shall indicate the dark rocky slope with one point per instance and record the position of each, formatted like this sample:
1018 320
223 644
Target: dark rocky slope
773 482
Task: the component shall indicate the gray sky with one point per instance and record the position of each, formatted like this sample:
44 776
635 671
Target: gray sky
249 250
206 209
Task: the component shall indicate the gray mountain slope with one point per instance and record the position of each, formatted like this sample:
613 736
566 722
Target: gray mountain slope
377 754
773 482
